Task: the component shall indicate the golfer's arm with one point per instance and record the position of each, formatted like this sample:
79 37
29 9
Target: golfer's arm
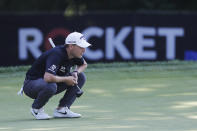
82 67
48 77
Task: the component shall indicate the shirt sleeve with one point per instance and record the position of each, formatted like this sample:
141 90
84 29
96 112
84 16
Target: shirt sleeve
52 64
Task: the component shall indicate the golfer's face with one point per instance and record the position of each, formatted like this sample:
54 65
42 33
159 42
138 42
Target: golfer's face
78 51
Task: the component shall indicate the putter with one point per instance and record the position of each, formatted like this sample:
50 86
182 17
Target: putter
79 92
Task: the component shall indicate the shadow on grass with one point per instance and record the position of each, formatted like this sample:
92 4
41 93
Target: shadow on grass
17 120
33 119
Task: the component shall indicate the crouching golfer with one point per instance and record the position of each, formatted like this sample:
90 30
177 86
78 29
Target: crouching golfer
50 75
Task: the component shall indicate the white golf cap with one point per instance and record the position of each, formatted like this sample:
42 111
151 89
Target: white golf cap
77 39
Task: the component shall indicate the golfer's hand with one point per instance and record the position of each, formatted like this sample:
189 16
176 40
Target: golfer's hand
71 81
75 74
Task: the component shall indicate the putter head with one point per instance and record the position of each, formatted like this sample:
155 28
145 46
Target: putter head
79 93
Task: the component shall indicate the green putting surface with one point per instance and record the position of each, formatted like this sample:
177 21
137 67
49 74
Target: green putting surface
146 96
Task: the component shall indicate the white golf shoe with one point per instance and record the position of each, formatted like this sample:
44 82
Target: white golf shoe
39 114
64 112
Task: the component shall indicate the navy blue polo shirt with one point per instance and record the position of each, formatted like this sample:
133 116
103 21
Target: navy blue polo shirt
54 61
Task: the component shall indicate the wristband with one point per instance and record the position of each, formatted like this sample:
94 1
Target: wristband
77 72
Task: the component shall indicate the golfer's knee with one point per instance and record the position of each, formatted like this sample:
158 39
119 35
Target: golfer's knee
51 88
82 76
81 79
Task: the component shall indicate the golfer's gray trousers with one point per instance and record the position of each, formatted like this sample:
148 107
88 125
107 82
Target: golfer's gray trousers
42 91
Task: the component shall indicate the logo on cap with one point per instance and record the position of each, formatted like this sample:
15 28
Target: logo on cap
71 42
82 37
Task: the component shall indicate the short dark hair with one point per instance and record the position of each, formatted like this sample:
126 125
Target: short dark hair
67 45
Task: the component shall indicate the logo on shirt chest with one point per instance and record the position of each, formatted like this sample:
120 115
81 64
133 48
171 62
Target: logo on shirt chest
62 69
